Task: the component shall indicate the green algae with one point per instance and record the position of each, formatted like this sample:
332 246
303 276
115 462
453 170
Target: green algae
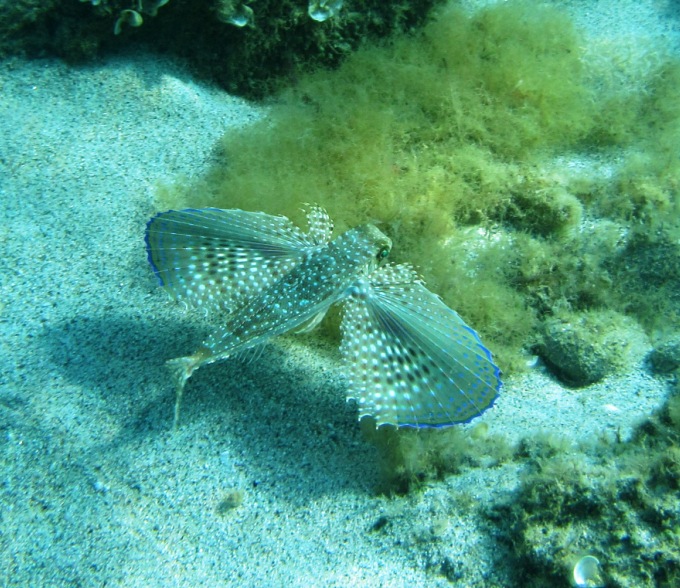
412 458
618 502
455 140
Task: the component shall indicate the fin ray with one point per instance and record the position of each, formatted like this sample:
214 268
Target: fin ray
216 259
412 360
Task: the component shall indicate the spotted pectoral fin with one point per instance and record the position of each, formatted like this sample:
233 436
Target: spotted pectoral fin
213 258
411 360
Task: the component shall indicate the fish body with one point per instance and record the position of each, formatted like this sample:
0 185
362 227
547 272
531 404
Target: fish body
411 361
320 280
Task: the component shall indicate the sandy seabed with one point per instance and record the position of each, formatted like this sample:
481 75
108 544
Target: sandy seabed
96 488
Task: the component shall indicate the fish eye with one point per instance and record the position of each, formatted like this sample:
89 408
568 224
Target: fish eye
384 252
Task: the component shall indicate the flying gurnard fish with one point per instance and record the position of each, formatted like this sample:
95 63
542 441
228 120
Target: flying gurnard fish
410 360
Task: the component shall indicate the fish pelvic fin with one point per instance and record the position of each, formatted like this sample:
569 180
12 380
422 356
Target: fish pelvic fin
182 368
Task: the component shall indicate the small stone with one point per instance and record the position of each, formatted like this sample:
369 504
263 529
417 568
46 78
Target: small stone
233 498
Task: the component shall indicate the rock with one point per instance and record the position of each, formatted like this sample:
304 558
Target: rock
583 348
666 357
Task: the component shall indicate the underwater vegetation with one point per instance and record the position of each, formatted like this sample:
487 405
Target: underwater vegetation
603 511
619 504
248 47
414 458
542 206
475 145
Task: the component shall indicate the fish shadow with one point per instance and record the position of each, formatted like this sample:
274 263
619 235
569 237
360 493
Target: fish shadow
293 418
118 358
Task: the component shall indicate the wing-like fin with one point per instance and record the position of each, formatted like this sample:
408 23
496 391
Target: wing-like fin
216 259
412 361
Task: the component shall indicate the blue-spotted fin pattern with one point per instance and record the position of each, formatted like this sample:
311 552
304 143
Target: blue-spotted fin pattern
411 361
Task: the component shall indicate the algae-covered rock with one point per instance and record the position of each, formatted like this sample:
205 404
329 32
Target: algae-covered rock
617 503
247 47
665 357
647 275
544 210
584 348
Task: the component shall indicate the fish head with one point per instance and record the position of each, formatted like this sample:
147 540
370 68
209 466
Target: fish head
370 244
